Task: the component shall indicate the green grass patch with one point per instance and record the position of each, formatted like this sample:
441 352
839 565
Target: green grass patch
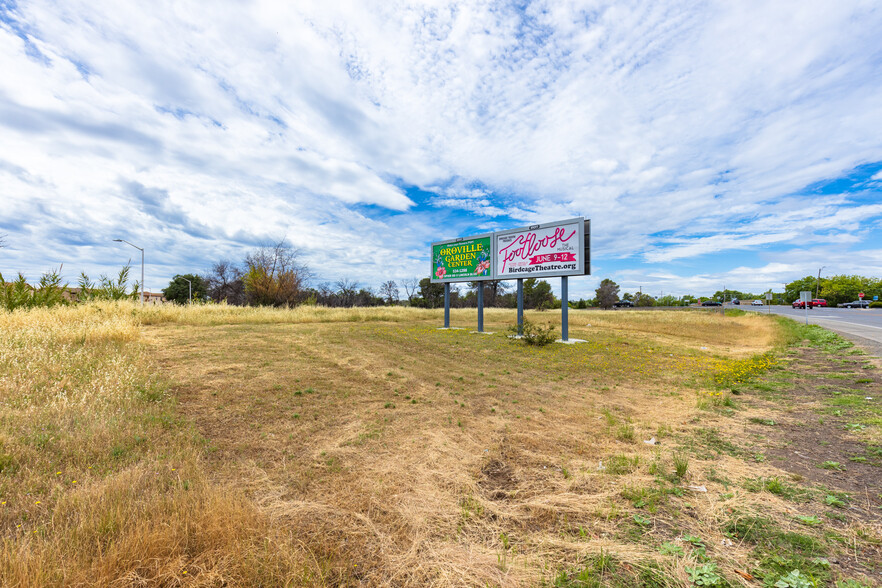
778 487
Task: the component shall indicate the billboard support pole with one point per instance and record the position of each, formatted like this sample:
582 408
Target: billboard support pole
520 306
480 307
564 307
447 306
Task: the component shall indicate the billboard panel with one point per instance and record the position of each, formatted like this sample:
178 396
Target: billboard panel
467 259
550 249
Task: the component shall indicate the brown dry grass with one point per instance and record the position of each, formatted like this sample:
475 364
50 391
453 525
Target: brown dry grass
354 447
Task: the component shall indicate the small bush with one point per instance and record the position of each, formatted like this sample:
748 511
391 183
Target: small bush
534 334
876 304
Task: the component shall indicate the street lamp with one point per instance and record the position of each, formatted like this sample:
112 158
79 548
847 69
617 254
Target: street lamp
190 284
141 249
818 285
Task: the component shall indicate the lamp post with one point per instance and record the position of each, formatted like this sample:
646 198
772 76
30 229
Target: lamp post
141 249
190 285
818 284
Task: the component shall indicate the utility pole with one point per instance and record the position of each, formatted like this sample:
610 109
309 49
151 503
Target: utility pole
818 285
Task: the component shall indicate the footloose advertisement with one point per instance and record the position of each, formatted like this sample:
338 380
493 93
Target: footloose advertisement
550 249
560 248
463 260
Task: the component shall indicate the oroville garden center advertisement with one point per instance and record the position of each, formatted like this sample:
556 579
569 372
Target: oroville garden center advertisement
552 249
462 260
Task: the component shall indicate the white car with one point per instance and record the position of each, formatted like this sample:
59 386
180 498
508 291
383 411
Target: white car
756 303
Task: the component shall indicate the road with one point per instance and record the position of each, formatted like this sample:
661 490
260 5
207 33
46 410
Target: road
863 326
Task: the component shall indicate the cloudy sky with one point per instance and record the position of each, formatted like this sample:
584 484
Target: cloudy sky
712 144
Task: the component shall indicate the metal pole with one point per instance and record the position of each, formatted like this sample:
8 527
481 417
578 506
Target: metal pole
818 283
564 308
480 307
447 306
520 306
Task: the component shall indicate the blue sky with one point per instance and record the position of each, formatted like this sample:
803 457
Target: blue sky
712 144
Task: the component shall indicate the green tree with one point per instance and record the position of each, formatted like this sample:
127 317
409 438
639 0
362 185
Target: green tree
792 290
644 300
668 300
274 276
537 294
431 295
845 288
607 293
179 290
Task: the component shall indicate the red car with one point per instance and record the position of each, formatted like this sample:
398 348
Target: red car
819 302
801 304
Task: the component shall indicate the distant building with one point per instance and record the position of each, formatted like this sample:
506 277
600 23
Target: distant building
154 298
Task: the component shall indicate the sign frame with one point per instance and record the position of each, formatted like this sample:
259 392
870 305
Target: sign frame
492 258
579 223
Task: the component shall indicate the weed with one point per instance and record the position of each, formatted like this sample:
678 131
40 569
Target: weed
626 433
831 500
749 528
832 465
810 520
681 464
760 421
705 575
7 464
669 548
622 464
712 439
647 498
795 579
610 417
778 487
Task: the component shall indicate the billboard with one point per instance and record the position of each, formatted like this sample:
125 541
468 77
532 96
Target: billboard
551 249
468 259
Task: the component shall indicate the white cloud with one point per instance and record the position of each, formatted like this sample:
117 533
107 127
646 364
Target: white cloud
678 130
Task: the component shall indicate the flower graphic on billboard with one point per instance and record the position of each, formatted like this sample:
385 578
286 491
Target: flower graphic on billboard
483 265
441 271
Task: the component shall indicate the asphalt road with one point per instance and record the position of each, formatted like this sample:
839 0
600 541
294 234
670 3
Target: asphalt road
863 326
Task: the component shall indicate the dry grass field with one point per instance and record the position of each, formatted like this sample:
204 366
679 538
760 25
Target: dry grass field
218 446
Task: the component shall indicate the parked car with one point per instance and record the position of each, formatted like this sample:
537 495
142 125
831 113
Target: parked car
801 304
819 302
736 301
856 304
623 304
711 303
756 303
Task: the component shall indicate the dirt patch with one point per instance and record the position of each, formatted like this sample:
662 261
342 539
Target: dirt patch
818 435
498 480
811 425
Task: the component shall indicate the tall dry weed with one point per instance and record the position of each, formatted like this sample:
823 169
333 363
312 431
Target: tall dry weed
101 482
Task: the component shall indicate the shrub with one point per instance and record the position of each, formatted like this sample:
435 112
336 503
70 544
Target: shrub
20 294
876 304
534 334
